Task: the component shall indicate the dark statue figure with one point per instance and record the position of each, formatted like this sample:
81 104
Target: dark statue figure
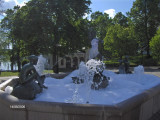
92 72
124 66
30 82
77 80
99 80
93 68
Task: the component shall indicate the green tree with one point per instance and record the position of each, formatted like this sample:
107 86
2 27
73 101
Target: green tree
145 16
43 24
40 25
4 46
7 25
5 32
119 41
155 45
95 15
100 23
121 19
75 36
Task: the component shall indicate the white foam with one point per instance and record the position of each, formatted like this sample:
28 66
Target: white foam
139 69
40 65
120 88
8 89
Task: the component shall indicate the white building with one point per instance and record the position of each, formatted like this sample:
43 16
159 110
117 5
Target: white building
70 61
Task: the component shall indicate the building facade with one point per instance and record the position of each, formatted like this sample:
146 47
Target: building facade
70 61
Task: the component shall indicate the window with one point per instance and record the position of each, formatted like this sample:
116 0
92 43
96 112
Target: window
62 62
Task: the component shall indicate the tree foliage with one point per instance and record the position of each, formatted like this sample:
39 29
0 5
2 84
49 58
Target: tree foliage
155 45
119 41
40 25
100 23
75 36
4 46
58 27
121 19
145 16
7 26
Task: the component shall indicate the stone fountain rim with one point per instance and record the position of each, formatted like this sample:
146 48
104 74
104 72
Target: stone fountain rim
69 108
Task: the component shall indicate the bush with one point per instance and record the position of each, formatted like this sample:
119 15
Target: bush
155 46
25 61
111 63
150 62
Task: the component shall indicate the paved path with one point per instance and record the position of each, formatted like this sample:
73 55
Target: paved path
153 70
2 79
148 70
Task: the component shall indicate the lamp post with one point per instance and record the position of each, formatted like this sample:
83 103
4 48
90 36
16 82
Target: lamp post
57 61
101 49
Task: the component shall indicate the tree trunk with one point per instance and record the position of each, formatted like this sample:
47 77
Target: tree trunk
12 59
146 30
19 65
18 61
54 61
11 66
55 53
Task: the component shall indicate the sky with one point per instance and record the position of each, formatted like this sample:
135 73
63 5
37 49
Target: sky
111 6
108 6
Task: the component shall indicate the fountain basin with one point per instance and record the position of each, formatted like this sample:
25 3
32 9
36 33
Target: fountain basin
138 107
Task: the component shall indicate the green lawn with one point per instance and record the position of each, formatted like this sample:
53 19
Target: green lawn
5 74
48 71
112 63
134 61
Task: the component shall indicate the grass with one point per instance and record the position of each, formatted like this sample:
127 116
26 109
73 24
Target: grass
6 74
112 63
48 71
133 60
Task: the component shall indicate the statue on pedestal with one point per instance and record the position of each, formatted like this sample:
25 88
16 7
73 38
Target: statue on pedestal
124 66
93 52
92 71
30 82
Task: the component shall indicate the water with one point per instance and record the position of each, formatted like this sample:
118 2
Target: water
86 73
40 65
76 98
7 66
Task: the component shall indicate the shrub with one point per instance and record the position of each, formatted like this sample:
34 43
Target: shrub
25 61
155 46
149 62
